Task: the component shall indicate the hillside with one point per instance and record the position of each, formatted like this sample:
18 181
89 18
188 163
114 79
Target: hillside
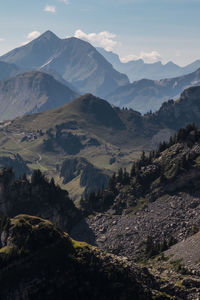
148 95
74 60
31 92
152 214
45 262
138 69
158 198
90 128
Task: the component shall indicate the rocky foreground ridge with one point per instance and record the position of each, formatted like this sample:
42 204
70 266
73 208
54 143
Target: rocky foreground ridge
39 261
145 212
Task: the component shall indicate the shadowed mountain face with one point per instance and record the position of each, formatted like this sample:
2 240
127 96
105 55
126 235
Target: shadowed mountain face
146 95
138 69
176 114
88 112
75 60
8 70
30 93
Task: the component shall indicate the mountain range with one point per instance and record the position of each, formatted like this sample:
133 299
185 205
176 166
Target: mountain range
76 61
138 69
82 69
145 95
92 138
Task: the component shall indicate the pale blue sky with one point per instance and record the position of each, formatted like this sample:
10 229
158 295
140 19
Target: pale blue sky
149 29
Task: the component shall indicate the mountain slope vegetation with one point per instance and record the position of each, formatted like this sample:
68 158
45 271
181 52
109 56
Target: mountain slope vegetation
37 196
90 128
48 263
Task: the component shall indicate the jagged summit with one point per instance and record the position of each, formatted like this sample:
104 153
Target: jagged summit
49 35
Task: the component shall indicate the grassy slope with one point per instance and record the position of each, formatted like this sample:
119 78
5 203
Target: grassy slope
112 140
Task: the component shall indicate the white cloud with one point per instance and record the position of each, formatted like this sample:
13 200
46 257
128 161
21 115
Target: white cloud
64 1
33 35
2 40
148 57
24 43
102 39
50 9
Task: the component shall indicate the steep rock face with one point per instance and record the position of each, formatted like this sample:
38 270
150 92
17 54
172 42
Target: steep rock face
91 178
44 262
73 59
31 92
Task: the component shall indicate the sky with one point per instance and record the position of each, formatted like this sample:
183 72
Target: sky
166 30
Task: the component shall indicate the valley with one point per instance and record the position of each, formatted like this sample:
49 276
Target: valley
99 167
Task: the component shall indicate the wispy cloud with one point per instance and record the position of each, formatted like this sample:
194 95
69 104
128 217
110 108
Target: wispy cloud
50 9
2 40
33 35
64 1
148 57
102 39
24 43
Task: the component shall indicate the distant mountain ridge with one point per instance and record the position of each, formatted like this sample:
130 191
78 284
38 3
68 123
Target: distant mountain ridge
31 92
75 60
145 95
138 69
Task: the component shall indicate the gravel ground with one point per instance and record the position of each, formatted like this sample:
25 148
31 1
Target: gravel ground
176 216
